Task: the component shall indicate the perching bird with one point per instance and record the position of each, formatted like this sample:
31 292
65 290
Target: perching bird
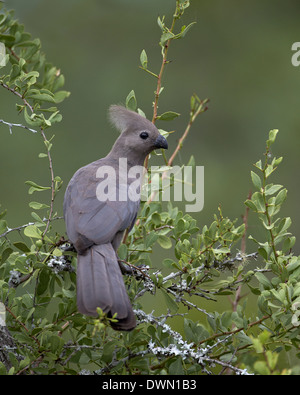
96 222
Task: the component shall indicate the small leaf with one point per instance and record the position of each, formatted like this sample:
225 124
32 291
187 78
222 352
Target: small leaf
161 24
122 252
171 304
185 29
271 189
35 187
256 180
251 205
21 246
272 136
33 119
165 37
151 239
57 252
42 97
3 226
144 59
280 198
168 116
131 103
61 96
263 280
7 39
32 231
38 206
164 242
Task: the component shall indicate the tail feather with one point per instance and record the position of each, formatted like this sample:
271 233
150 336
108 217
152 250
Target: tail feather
100 284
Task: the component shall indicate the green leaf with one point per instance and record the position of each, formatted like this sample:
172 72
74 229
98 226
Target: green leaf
131 103
56 344
160 23
60 96
168 262
7 39
164 241
3 226
56 117
165 37
38 206
33 119
258 201
185 29
168 116
3 371
269 170
21 246
144 59
57 252
271 189
5 254
256 180
176 368
15 72
156 219
254 290
251 205
151 239
32 231
272 137
263 280
280 198
171 304
42 97
122 252
258 165
35 187
288 243
43 282
277 161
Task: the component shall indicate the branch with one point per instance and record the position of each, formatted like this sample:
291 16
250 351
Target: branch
52 185
19 125
193 117
25 225
17 94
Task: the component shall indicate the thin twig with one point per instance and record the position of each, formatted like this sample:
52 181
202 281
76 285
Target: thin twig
19 125
52 186
25 225
17 94
238 296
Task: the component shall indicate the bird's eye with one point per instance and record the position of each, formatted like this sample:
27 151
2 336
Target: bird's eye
144 135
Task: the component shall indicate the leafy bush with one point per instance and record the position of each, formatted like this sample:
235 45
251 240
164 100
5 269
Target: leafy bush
46 335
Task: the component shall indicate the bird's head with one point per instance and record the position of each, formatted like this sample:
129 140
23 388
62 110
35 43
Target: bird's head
138 136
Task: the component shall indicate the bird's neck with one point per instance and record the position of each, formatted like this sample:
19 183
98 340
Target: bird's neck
132 157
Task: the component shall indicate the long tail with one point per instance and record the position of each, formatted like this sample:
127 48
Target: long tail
100 284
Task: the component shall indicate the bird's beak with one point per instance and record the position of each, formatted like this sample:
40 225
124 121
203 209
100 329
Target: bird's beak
161 142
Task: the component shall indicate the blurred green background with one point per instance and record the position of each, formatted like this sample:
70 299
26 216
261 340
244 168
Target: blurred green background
238 55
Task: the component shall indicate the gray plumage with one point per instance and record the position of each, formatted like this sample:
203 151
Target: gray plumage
96 227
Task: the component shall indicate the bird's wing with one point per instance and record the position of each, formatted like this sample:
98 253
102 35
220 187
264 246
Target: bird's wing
89 220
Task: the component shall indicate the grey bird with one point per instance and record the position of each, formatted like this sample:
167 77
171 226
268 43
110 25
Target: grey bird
96 226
